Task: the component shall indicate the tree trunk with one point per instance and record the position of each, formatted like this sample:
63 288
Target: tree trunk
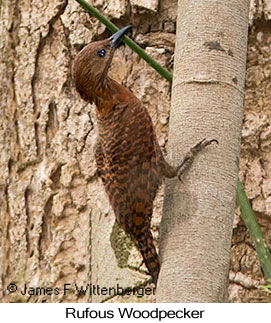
44 209
207 102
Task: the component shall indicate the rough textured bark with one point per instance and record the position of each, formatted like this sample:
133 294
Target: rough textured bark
246 275
44 165
207 101
49 192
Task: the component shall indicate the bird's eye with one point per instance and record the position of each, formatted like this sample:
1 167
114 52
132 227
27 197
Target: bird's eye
102 52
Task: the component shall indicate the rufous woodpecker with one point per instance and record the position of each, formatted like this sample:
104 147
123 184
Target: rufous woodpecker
129 159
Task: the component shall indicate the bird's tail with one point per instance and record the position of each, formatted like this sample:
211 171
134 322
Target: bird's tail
149 254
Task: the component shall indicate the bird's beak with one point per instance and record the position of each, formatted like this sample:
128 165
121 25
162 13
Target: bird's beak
117 37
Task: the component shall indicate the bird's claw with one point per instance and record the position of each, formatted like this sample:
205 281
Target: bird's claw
189 157
202 144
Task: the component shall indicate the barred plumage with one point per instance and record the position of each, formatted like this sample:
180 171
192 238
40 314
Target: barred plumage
129 159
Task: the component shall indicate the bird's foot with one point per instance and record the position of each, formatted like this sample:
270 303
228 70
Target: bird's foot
189 157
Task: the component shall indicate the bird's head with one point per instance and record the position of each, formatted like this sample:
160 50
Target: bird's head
91 64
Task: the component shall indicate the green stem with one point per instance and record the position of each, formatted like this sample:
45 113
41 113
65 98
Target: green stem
95 13
254 230
162 71
242 200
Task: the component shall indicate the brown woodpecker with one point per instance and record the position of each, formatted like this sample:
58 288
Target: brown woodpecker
129 159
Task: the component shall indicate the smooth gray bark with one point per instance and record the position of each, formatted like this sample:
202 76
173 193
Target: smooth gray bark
207 102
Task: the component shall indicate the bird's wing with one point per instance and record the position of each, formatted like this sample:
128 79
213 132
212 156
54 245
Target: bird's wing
127 161
140 150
